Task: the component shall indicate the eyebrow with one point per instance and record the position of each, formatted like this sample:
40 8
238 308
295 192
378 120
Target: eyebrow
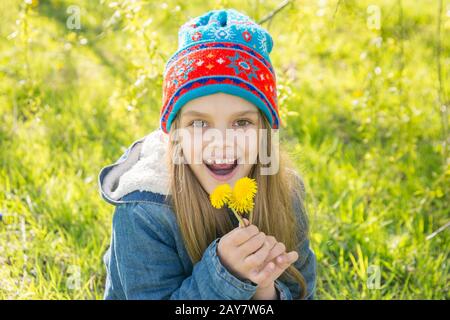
238 114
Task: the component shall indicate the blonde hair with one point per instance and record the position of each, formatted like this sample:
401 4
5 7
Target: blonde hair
200 223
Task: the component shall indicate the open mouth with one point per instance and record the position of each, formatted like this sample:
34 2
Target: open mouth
222 171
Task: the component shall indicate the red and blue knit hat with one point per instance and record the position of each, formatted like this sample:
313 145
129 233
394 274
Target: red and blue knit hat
220 51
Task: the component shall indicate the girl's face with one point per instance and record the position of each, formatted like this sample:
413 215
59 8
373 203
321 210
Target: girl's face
219 138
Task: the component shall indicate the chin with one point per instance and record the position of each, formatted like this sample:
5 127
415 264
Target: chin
214 175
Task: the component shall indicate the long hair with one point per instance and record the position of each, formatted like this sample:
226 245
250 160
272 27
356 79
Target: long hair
273 214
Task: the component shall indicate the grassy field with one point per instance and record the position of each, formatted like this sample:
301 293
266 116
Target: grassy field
364 95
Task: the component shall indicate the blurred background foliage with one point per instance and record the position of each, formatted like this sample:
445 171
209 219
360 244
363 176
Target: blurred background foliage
364 103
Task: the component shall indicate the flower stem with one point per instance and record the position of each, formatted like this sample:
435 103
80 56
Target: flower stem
238 216
250 218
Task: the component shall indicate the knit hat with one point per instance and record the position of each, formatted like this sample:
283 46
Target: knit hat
220 51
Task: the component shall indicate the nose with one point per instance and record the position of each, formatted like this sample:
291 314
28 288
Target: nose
222 143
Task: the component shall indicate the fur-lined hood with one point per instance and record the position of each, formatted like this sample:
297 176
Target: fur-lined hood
140 174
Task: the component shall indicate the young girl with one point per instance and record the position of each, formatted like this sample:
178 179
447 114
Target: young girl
219 123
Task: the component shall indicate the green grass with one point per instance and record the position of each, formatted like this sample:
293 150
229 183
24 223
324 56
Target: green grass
363 117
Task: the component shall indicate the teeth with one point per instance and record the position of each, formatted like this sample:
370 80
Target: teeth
220 161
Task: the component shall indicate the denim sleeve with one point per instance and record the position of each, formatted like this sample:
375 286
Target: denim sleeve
306 263
143 264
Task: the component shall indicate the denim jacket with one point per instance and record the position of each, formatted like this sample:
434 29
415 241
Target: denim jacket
147 258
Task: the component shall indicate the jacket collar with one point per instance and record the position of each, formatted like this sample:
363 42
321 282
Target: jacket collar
140 174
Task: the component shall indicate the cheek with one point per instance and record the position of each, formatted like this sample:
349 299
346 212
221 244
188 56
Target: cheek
252 153
192 150
201 173
248 149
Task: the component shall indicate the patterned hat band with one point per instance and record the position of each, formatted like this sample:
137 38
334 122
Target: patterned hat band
212 67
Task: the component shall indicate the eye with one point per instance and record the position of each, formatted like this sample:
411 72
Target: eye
198 123
243 122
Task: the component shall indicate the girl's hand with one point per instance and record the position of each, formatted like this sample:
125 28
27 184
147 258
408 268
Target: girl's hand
266 276
242 250
248 253
277 262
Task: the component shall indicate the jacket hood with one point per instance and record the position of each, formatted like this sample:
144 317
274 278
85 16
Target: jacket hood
140 174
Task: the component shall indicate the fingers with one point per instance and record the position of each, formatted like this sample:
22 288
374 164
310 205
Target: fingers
252 244
264 275
278 249
271 271
293 256
257 258
240 226
272 241
286 259
241 235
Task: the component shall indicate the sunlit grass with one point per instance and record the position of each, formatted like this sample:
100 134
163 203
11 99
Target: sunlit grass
363 123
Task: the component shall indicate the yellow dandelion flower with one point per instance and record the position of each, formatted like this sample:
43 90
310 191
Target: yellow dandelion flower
220 196
243 193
